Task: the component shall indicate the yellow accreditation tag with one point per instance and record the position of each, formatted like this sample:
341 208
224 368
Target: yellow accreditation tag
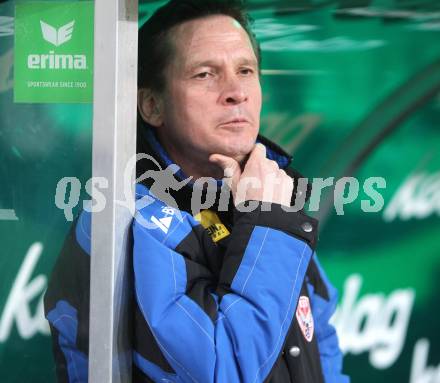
211 222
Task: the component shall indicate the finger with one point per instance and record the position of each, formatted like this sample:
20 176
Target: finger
258 151
226 163
257 155
230 166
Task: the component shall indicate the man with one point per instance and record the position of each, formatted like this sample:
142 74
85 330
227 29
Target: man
231 293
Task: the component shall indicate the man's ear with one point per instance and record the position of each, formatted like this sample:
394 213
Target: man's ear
150 107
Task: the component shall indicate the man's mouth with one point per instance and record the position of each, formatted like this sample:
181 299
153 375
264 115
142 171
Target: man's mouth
236 121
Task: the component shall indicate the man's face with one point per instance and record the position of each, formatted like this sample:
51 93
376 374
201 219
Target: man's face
212 100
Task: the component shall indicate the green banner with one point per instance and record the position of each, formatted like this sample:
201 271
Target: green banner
53 52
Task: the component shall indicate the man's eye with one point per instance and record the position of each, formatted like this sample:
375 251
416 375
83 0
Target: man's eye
246 71
202 75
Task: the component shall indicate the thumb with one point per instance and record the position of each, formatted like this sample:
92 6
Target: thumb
231 168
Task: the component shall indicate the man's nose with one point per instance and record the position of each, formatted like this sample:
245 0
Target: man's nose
233 92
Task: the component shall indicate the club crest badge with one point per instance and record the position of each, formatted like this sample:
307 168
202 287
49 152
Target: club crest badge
305 318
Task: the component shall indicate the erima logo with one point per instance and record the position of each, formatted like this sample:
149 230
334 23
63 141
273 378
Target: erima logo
57 37
52 60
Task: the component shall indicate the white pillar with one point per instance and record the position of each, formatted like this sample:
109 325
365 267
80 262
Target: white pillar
114 142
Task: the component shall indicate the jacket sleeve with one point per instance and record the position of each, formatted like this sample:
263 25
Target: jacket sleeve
258 287
66 304
324 306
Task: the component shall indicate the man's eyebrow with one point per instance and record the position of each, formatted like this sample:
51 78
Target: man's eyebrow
251 62
214 63
202 63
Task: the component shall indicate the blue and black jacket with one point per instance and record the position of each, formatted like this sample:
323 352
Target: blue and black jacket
216 294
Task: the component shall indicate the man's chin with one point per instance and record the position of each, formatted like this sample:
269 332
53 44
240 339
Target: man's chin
239 156
239 152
